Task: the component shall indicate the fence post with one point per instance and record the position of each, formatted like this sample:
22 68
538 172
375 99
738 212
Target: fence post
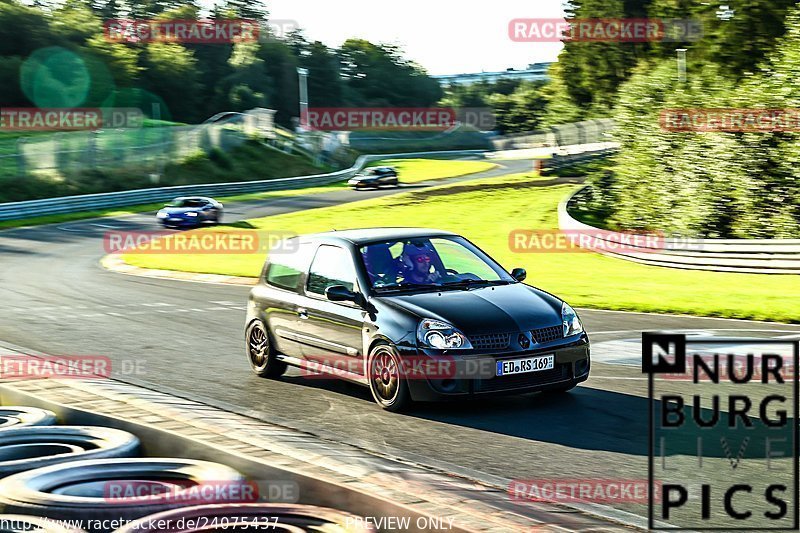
21 166
91 146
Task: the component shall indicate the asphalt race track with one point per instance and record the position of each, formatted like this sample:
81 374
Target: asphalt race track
189 338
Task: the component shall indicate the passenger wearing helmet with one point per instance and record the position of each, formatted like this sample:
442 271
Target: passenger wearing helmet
419 267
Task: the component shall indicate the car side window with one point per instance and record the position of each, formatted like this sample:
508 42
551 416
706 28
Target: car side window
286 268
332 265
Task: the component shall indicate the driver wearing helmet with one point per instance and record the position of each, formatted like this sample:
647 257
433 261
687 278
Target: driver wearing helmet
418 263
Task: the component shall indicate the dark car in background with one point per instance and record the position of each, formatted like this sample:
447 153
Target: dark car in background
415 314
190 211
374 177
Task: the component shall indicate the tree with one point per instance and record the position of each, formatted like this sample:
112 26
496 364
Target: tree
248 86
378 75
170 71
245 9
324 80
737 40
23 29
108 9
281 67
520 111
76 23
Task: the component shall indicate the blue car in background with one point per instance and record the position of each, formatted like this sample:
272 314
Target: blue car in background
190 211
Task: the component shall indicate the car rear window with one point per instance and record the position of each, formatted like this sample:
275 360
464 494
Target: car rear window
188 203
286 267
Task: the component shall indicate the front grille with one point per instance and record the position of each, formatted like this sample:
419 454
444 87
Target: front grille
558 373
543 335
492 341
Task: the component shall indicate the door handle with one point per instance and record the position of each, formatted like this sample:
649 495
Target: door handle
302 312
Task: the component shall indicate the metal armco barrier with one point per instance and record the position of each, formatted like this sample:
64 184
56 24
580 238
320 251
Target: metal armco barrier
91 202
565 160
753 256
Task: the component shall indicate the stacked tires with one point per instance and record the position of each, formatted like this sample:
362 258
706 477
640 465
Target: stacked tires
25 416
54 476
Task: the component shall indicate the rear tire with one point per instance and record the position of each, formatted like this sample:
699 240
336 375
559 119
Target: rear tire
261 353
387 381
75 491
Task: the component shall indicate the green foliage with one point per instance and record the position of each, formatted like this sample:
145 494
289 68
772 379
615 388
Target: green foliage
589 74
522 110
249 161
517 105
194 81
703 184
170 71
378 75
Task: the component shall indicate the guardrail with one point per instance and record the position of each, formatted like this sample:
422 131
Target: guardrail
566 158
753 256
92 202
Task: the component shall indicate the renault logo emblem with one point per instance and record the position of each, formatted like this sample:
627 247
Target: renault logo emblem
524 341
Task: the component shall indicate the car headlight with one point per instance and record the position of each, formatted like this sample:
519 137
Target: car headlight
161 214
569 318
191 214
441 335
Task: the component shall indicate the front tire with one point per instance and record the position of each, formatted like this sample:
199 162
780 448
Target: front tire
387 381
261 353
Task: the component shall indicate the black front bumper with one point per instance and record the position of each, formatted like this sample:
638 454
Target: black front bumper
572 366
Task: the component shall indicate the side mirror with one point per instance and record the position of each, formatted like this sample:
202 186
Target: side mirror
340 293
519 274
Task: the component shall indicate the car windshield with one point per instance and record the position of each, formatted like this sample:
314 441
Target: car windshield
184 202
429 263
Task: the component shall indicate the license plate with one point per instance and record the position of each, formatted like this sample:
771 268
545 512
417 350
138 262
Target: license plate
528 364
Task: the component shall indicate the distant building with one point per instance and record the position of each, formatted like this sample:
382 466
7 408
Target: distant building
534 72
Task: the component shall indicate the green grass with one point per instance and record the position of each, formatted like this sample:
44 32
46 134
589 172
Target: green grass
486 211
419 170
416 168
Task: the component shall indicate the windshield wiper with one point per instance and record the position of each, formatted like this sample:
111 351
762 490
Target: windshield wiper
407 285
466 283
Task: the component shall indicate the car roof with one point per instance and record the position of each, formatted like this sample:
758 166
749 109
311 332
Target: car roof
206 198
367 235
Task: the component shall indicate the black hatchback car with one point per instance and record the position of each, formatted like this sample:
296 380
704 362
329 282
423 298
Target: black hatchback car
374 177
415 314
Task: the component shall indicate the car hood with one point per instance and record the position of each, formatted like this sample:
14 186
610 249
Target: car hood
499 309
